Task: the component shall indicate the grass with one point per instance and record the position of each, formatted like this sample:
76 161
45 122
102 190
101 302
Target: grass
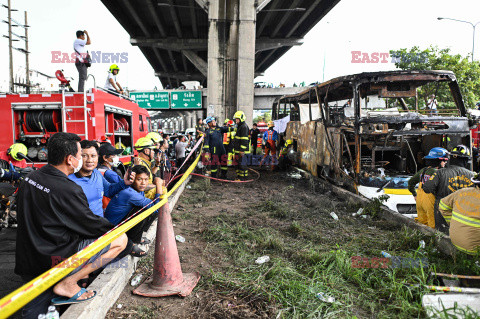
305 262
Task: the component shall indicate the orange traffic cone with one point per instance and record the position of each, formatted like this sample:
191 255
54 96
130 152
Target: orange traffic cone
167 278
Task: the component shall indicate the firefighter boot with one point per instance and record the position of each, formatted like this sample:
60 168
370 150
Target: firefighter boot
223 174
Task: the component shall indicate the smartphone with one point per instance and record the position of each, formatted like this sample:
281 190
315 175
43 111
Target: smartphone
129 169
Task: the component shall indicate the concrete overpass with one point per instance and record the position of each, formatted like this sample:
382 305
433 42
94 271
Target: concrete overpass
223 44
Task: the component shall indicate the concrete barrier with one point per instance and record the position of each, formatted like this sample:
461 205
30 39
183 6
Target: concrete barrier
111 282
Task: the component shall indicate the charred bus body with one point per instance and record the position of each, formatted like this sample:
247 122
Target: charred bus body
369 132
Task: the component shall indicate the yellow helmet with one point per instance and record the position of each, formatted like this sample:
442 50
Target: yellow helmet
226 121
270 124
119 146
240 115
155 137
143 143
289 142
114 67
16 149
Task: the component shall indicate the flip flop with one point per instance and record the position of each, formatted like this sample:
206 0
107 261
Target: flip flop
137 251
67 301
146 241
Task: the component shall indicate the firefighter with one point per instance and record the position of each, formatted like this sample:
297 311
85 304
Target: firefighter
16 155
146 153
270 140
283 161
437 158
448 180
200 128
228 141
241 145
461 211
156 138
112 85
214 147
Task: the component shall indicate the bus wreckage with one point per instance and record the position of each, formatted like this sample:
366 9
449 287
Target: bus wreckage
369 132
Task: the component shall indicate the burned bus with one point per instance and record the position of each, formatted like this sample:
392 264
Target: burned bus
369 132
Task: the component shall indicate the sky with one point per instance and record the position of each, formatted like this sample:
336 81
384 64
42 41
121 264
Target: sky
368 26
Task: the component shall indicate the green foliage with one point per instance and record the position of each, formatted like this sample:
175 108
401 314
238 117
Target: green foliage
433 58
373 207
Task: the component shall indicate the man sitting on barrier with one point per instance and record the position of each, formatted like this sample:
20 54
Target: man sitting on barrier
55 222
128 201
91 180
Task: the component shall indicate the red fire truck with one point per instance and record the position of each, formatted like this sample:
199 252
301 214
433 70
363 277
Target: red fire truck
97 115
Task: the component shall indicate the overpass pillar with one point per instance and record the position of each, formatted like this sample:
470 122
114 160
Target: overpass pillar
231 58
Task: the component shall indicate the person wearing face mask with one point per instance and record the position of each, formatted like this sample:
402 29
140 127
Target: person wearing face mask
55 222
108 161
91 180
147 149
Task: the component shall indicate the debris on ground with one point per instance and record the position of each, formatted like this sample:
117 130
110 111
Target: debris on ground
180 239
136 280
262 260
289 221
325 298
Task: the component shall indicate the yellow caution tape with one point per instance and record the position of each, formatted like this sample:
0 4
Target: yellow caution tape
23 295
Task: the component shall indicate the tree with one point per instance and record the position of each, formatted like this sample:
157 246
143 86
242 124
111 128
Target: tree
433 58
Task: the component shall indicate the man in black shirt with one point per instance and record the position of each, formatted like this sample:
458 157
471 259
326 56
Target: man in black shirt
55 222
254 138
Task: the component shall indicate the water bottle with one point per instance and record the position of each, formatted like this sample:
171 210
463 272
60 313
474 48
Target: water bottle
262 260
334 216
52 313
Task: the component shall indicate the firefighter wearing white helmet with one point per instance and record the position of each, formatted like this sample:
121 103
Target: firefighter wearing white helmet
146 154
112 84
240 145
448 180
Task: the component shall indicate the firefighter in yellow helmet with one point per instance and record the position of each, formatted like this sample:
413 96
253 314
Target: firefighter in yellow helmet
228 142
241 145
270 140
112 84
16 155
461 211
283 161
146 154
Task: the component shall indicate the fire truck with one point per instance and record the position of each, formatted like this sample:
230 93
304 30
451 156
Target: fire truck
95 115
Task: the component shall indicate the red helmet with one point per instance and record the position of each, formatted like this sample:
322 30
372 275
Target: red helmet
230 122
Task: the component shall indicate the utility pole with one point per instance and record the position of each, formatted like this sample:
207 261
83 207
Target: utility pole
27 53
10 45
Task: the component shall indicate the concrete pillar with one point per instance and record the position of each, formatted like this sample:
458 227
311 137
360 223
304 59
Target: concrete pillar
231 58
216 58
246 58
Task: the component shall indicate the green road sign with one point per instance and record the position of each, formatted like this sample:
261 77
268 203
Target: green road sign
151 100
186 99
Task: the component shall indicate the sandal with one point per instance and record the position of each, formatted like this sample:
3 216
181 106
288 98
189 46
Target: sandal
137 251
145 241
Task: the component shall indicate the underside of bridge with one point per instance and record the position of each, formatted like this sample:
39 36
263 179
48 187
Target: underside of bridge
223 44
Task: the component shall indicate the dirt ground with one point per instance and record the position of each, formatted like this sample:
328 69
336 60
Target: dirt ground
228 225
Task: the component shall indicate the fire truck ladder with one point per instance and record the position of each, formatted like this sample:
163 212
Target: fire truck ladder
68 108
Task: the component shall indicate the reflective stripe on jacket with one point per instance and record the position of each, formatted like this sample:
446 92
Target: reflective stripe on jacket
461 210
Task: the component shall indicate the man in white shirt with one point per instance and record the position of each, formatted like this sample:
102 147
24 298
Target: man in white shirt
432 105
111 84
180 151
80 53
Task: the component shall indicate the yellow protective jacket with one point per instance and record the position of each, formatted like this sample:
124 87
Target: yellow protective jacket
461 210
